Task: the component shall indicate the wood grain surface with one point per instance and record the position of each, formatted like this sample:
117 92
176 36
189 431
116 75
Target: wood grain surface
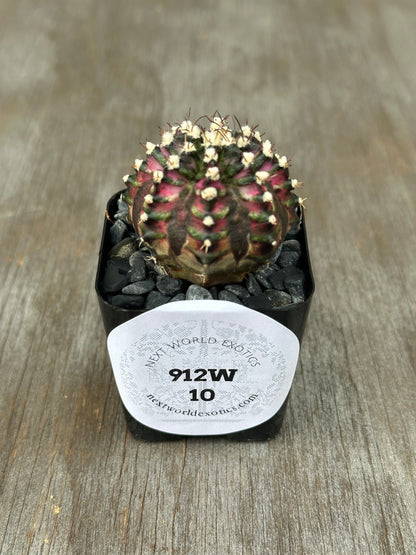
333 84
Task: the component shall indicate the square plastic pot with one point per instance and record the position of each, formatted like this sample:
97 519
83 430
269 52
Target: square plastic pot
293 316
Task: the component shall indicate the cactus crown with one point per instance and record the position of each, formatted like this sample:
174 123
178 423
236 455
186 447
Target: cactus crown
212 203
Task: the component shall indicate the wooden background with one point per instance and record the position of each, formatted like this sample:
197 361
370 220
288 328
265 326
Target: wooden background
334 85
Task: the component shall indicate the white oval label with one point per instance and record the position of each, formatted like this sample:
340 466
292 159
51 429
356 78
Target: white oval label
203 367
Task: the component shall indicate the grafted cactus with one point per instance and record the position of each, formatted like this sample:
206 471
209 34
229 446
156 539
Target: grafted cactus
212 203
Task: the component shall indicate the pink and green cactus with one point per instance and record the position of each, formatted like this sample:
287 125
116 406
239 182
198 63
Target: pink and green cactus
212 203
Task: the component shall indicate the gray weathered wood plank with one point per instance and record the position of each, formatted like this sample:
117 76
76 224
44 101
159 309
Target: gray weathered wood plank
333 84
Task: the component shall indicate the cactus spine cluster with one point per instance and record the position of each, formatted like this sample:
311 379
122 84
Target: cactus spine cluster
212 203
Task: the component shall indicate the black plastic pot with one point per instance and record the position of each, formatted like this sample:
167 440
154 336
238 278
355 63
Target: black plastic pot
292 316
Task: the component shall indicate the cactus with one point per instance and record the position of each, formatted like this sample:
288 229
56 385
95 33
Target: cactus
212 204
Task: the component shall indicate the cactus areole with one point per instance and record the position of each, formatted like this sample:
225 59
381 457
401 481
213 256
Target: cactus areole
212 203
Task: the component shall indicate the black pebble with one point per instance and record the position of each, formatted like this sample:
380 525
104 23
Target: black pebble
117 231
167 285
127 301
115 275
288 258
214 291
225 295
178 297
136 259
124 248
281 278
276 254
253 286
277 279
259 302
139 287
154 299
295 284
292 233
238 290
123 210
197 292
278 298
138 273
291 245
262 276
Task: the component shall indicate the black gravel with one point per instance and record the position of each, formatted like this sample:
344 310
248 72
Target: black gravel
139 287
117 232
116 275
133 280
178 297
196 292
154 299
237 290
278 298
288 258
168 286
253 286
290 245
226 295
128 301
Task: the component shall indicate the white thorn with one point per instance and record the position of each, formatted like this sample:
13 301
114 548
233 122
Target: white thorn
167 138
267 149
173 162
227 138
208 221
206 245
190 129
148 199
150 147
283 161
296 184
247 159
261 176
267 197
215 138
157 176
213 173
186 125
217 123
242 141
209 193
125 178
195 132
210 155
188 147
